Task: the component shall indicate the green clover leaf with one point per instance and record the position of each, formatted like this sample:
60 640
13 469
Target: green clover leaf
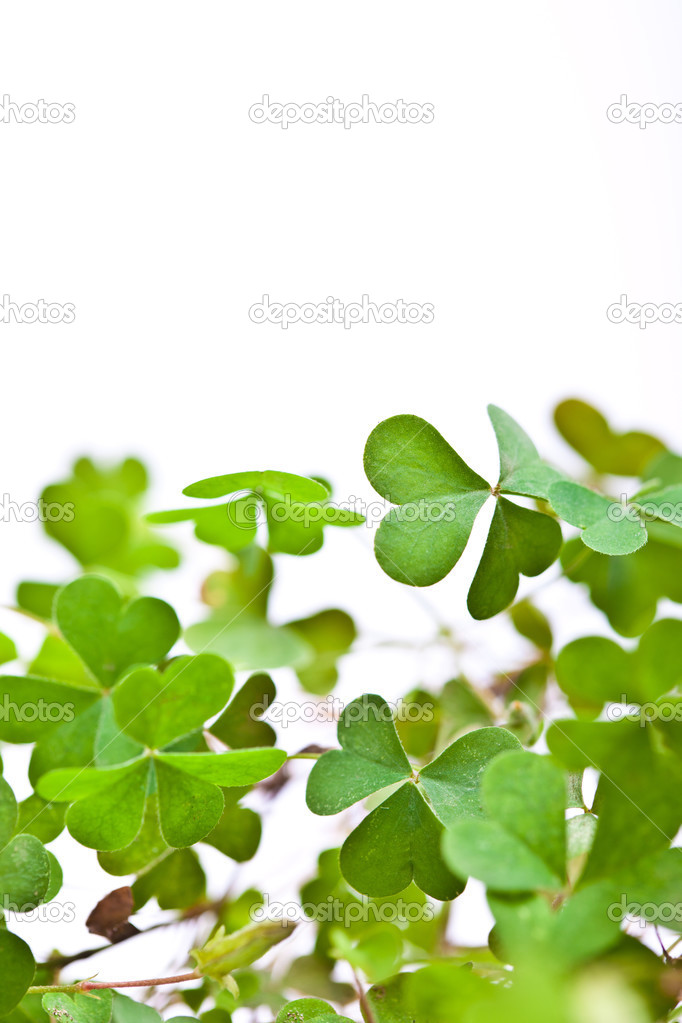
89 1007
238 628
521 845
438 498
109 635
609 527
17 967
110 804
101 526
399 840
613 454
25 865
594 670
628 590
296 508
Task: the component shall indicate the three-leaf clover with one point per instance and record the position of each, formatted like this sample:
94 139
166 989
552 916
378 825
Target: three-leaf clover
69 714
295 508
99 521
400 839
154 709
438 498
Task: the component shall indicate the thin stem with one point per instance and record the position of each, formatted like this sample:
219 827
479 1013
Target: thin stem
100 985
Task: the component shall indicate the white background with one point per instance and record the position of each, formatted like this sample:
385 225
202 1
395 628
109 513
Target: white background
164 213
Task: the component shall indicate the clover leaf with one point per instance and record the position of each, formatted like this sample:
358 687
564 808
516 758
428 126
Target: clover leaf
628 590
399 840
154 708
110 635
26 868
607 526
238 627
594 670
611 453
521 845
438 498
64 704
100 525
17 967
89 1007
296 508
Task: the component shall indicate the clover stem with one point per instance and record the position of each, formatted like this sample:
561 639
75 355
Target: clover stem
98 985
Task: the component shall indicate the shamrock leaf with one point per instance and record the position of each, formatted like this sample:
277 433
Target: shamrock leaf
438 497
594 670
25 865
238 628
108 635
295 508
522 471
176 882
63 704
89 1007
613 454
155 707
520 541
330 634
628 589
100 522
399 840
309 1010
637 805
239 725
17 967
109 804
521 845
609 527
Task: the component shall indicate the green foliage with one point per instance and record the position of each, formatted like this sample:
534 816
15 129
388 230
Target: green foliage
102 526
438 498
146 753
